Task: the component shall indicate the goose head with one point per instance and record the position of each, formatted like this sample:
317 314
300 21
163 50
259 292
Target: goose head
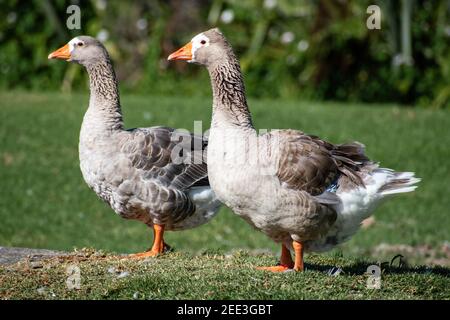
84 50
206 49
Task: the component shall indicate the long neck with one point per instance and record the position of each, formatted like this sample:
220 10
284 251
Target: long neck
229 102
104 104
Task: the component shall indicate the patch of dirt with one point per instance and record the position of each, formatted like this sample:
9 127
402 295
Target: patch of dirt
430 255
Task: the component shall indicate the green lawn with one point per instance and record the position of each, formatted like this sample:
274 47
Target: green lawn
44 202
214 276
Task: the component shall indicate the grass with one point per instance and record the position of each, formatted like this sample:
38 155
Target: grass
44 202
214 276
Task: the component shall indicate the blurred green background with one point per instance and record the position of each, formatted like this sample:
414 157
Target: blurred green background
308 65
315 49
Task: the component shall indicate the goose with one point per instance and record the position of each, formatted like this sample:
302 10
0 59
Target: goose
301 191
137 171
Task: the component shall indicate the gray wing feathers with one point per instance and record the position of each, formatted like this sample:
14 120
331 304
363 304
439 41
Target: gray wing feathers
153 150
160 184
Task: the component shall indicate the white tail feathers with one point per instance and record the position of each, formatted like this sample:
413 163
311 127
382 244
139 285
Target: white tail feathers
401 182
359 203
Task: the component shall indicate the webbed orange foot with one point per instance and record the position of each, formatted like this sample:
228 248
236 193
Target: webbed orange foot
159 246
279 268
285 264
143 255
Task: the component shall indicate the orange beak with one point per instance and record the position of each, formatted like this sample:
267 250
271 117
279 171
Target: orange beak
184 53
61 53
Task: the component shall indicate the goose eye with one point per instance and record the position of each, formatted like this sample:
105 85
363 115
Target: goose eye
203 41
80 44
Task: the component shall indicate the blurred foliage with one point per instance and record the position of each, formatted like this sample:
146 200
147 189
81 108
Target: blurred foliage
315 49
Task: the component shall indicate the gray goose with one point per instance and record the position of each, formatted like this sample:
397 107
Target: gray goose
133 170
301 191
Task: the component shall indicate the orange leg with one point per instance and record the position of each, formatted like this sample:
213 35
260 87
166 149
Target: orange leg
158 247
298 248
286 262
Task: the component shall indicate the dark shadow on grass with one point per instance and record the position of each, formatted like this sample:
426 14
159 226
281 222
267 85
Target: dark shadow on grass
360 268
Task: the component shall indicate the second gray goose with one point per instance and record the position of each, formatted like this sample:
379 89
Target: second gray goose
301 191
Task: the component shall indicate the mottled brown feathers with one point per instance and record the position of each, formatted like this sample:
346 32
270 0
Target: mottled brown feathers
308 163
